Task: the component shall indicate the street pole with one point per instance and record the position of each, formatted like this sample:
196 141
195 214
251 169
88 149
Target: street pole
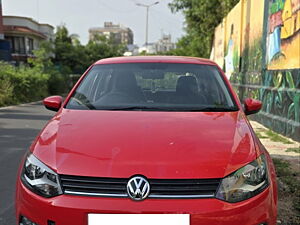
147 18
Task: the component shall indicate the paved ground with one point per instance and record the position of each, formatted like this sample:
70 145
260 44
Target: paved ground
18 127
279 148
276 148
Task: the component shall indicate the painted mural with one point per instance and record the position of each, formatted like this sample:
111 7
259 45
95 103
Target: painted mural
233 40
262 59
283 44
219 45
253 30
281 98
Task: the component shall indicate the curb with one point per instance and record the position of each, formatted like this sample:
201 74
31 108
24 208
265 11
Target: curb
266 128
24 104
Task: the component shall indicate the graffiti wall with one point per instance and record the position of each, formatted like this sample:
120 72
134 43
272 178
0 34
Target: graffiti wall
233 40
261 57
219 45
283 43
252 33
281 98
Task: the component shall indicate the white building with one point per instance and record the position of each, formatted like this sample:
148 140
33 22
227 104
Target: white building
4 45
24 35
150 48
120 33
1 23
164 44
132 50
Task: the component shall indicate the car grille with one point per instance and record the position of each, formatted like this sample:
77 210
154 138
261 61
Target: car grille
160 188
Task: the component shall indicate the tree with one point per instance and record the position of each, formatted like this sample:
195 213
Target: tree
73 57
67 56
42 60
103 47
202 16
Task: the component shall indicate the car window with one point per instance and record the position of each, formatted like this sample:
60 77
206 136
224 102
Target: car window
153 86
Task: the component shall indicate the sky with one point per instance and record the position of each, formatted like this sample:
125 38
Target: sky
80 15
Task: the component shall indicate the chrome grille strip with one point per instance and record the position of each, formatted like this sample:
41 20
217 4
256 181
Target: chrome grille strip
160 188
181 196
96 194
150 196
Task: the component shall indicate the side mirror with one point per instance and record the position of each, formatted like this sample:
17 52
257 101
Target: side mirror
252 106
53 103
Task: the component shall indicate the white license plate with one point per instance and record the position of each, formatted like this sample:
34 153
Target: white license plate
139 219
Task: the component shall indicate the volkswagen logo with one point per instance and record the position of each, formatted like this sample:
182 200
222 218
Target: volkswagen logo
138 188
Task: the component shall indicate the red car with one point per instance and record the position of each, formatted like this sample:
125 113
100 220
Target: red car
148 140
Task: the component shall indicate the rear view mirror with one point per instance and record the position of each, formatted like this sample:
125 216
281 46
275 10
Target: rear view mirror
252 106
53 103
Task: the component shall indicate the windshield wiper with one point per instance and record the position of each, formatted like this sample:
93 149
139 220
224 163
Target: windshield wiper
215 109
150 108
85 103
133 108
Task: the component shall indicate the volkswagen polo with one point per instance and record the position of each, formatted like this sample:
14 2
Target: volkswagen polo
148 140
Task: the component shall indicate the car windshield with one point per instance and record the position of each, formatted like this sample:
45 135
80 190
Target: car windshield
153 86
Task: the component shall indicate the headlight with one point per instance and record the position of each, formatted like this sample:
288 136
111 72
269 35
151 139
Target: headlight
245 182
39 178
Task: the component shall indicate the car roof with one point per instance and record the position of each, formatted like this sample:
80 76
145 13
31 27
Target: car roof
155 59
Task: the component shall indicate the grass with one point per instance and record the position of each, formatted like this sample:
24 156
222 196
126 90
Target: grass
287 176
264 134
261 136
297 150
277 138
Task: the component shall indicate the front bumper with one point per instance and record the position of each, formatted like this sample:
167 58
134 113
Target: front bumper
74 210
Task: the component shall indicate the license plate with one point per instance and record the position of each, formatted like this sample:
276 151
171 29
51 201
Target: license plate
139 219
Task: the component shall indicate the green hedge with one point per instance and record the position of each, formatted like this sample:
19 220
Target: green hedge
26 84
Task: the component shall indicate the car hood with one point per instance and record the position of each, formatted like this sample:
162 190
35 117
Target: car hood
154 144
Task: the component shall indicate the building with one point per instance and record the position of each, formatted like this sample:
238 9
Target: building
1 23
119 33
150 48
165 44
132 50
25 35
4 45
